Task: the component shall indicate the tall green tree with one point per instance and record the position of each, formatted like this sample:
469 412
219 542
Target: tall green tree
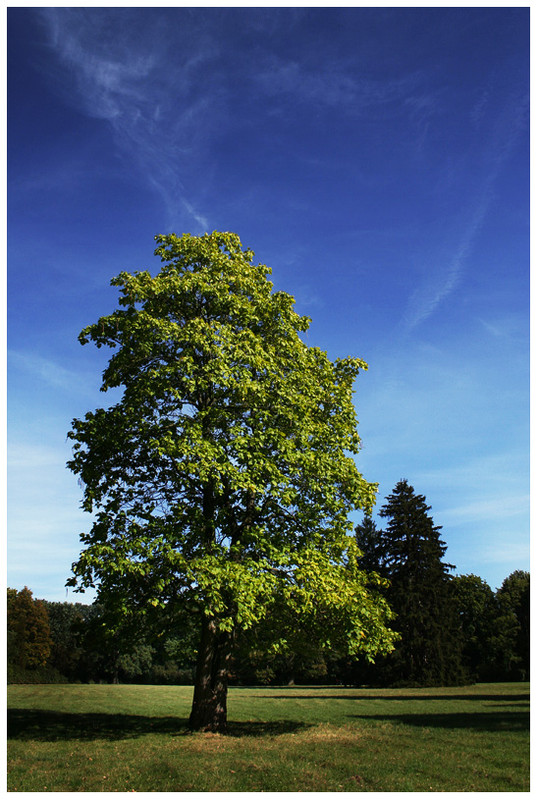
66 622
512 639
410 554
477 615
224 476
29 639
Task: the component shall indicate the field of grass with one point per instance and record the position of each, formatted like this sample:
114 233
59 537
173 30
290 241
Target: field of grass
69 738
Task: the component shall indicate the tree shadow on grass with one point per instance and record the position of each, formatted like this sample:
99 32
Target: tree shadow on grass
497 698
51 726
512 721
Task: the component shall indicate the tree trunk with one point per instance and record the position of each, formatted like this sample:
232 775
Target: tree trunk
211 683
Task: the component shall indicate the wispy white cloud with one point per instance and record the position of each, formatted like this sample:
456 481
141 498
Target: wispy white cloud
43 543
500 139
341 85
443 421
31 456
508 328
483 506
491 472
488 508
511 554
50 372
44 517
113 72
443 279
292 78
479 108
493 553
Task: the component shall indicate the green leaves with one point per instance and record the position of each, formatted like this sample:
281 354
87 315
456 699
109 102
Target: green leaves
225 474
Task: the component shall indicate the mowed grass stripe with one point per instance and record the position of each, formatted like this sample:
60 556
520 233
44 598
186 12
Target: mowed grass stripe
125 738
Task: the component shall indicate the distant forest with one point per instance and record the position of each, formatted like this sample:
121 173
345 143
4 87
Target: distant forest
69 642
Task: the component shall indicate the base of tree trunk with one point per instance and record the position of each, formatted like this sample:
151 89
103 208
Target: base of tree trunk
209 711
209 718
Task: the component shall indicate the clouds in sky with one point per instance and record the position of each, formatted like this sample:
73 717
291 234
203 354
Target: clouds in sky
499 142
121 74
338 85
44 516
467 404
375 158
169 90
53 374
483 504
443 277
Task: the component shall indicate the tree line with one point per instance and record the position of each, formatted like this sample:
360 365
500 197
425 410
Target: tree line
452 629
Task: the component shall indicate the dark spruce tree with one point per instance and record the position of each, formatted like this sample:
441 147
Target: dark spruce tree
409 552
369 541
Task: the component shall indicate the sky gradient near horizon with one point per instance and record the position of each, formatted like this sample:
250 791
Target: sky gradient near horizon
376 159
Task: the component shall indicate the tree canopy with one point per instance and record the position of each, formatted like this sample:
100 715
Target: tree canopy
224 476
29 639
513 630
477 609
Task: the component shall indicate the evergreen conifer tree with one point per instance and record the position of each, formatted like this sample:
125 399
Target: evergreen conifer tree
369 541
409 552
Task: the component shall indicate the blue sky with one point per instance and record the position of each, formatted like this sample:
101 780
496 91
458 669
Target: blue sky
377 159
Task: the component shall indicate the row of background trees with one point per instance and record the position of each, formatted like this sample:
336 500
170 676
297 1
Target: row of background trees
453 629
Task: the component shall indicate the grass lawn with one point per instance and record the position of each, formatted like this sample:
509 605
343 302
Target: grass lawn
69 738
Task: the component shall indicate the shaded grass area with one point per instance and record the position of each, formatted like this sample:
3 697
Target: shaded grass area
125 738
54 726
